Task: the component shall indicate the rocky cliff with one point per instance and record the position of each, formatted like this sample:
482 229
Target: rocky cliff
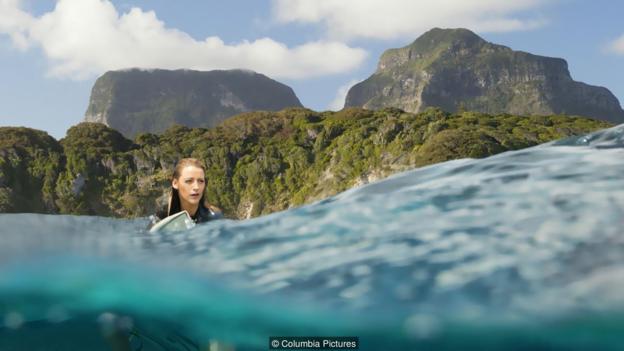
257 162
456 70
136 101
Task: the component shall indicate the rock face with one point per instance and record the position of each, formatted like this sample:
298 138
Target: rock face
456 70
136 101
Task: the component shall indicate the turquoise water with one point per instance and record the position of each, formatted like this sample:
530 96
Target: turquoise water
520 251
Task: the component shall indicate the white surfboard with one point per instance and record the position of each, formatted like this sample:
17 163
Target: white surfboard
176 222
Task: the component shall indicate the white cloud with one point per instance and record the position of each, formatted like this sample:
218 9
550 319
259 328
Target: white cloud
341 95
389 19
82 38
14 22
617 46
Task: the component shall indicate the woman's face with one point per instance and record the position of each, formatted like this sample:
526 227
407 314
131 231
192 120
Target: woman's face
190 185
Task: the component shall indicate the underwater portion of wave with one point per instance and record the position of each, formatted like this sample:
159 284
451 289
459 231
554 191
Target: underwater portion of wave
520 251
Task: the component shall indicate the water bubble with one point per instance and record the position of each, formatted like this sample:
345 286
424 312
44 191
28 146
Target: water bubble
360 270
125 323
355 291
13 320
111 324
404 292
106 317
422 326
56 314
216 345
420 275
107 323
334 281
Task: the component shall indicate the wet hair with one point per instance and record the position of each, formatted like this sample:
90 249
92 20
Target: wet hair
173 205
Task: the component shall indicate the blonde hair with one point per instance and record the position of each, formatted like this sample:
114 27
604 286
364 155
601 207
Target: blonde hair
173 205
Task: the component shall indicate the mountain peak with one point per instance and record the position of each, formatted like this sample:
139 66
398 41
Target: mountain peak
455 69
442 36
136 101
435 44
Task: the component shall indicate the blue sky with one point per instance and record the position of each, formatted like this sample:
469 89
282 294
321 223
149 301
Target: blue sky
51 51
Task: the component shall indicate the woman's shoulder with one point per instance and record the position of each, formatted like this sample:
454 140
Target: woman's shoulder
209 212
214 209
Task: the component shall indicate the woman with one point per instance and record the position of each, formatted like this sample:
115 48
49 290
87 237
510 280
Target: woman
187 193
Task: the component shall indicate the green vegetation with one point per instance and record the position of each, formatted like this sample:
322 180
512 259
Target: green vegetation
257 162
30 162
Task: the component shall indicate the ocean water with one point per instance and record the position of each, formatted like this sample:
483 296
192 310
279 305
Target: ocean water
520 251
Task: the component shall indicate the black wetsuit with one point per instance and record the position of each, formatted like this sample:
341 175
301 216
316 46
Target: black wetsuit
203 214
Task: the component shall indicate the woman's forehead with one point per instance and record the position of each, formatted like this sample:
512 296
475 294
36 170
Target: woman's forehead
192 172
